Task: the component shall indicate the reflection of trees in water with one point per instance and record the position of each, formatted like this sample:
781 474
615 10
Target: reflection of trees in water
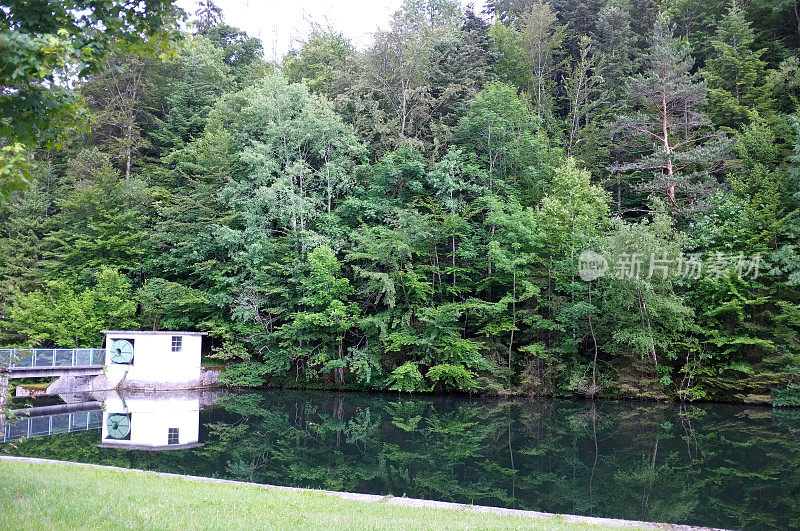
652 461
717 465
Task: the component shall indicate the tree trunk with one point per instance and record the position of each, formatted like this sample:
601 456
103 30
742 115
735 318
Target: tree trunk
594 340
128 150
668 150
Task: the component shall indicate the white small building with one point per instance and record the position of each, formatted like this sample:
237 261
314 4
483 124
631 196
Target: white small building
155 421
153 359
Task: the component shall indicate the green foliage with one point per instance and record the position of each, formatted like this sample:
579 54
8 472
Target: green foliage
512 66
411 214
244 374
541 38
24 226
319 61
169 305
406 377
786 397
241 52
616 43
391 99
502 134
14 168
197 77
448 376
231 351
737 90
101 221
45 43
318 332
665 125
62 316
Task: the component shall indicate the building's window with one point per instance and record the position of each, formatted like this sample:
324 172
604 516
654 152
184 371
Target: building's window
177 343
172 436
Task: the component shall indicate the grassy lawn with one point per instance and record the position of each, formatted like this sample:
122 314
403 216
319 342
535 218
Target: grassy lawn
55 496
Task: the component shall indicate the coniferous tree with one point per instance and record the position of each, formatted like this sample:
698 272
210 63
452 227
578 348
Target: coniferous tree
25 222
675 142
617 60
763 189
616 44
507 12
736 84
461 67
101 221
187 89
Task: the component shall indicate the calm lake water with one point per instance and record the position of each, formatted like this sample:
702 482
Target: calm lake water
713 465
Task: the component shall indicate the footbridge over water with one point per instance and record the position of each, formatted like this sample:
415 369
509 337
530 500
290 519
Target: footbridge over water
49 362
51 420
75 368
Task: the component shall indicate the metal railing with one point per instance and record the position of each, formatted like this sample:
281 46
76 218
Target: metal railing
32 358
28 427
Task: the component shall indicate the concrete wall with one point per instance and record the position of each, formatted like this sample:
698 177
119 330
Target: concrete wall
78 384
154 364
5 391
209 376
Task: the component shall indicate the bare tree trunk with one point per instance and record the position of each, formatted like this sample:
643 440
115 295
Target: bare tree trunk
594 340
645 318
454 265
513 320
128 150
797 16
668 150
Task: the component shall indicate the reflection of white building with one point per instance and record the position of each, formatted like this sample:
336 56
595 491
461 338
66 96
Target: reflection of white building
153 359
151 422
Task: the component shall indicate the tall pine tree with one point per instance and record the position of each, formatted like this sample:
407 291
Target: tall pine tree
736 73
672 139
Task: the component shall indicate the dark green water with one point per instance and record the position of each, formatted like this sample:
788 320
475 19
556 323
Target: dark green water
714 465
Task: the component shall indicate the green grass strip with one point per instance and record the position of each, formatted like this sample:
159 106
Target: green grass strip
53 495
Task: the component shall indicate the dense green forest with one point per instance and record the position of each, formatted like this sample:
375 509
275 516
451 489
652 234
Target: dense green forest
419 214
